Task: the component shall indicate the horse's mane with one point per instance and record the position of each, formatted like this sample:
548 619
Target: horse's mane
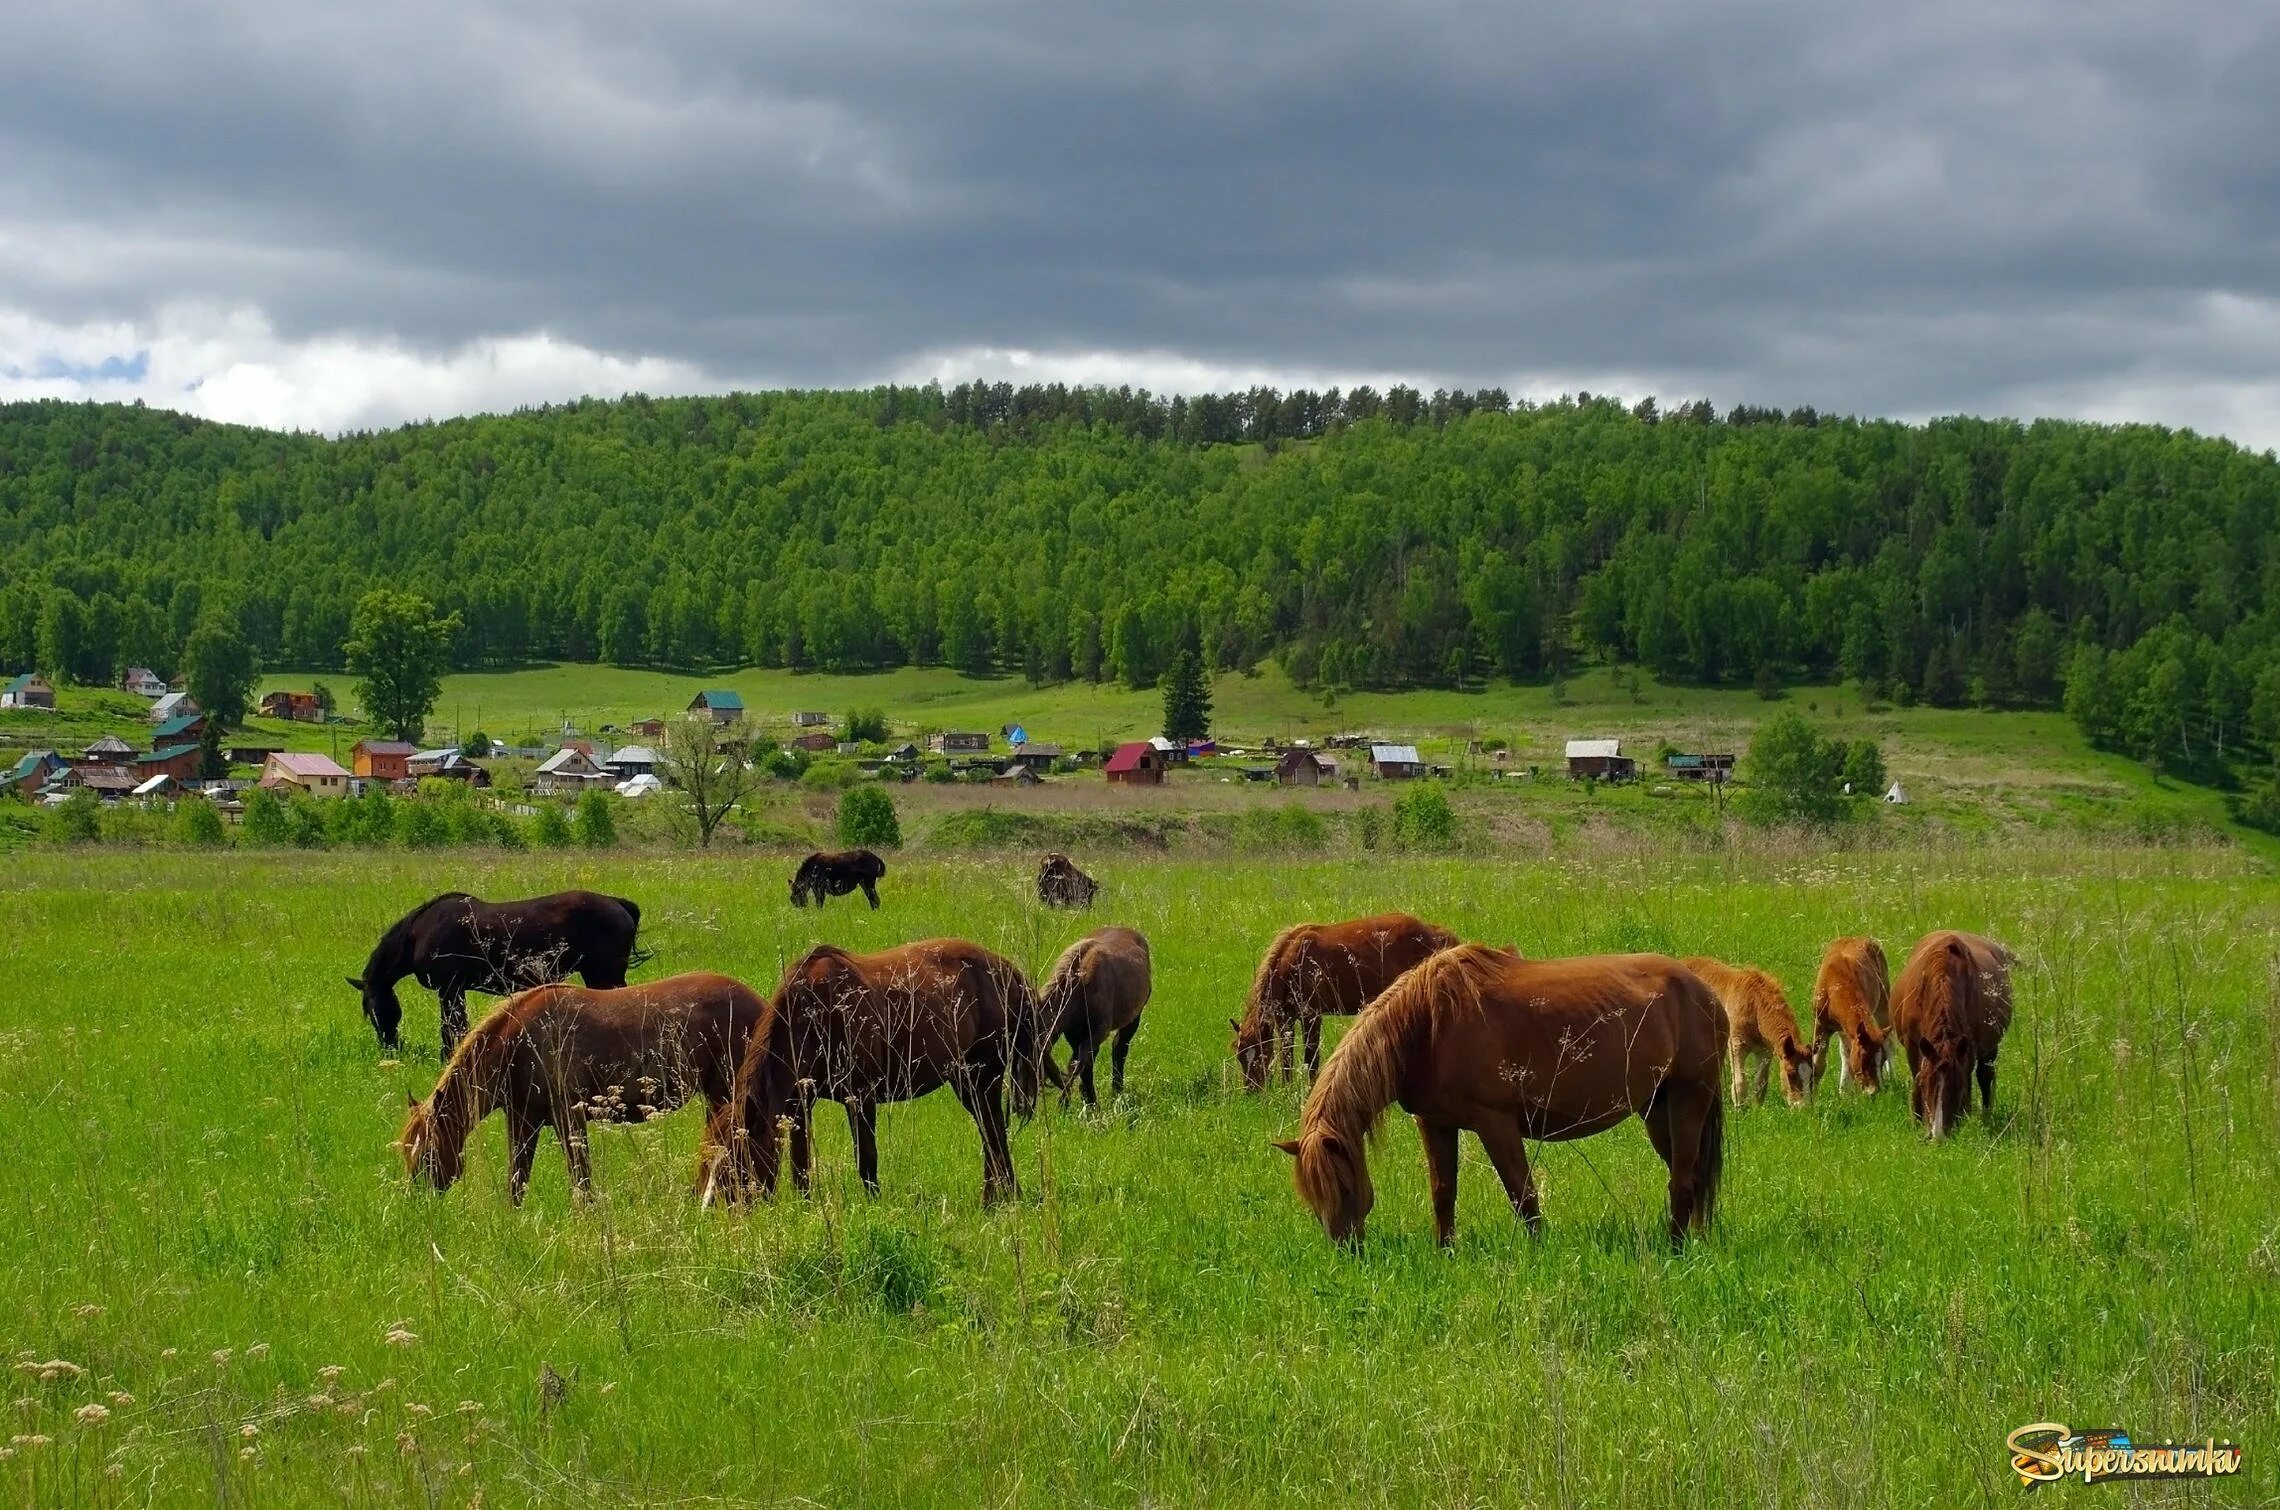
391 944
1270 964
1771 1004
1364 1072
1946 993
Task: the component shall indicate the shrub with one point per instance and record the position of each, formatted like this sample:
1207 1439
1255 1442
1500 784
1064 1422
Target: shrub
939 772
830 776
78 821
1369 827
198 823
550 828
1291 826
367 820
1864 768
421 826
265 821
867 726
1423 819
305 823
785 765
1794 772
594 825
2259 806
867 819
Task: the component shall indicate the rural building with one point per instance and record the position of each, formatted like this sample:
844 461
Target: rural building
904 753
1396 762
1715 769
316 775
649 728
184 728
173 705
295 707
1599 760
959 743
817 743
450 765
1302 768
1020 775
566 772
161 785
109 750
31 771
143 682
633 760
1137 764
31 690
1036 757
723 706
178 761
250 754
380 759
811 720
109 782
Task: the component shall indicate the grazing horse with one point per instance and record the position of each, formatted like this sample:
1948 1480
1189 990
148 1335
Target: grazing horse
1515 1049
458 943
563 1056
865 1029
835 875
1760 1026
1950 1008
1098 987
1318 968
1852 1001
1061 884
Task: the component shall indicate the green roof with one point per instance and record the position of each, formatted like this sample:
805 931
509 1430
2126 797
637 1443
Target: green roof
723 699
19 684
171 752
181 725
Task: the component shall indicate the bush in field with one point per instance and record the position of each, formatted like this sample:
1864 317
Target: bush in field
1864 768
305 822
595 825
784 765
867 819
198 823
1369 827
830 776
367 821
2259 806
78 821
1794 772
864 726
420 826
1423 819
1291 826
550 829
265 822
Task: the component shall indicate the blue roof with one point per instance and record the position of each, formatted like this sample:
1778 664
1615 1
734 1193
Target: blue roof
722 698
1019 736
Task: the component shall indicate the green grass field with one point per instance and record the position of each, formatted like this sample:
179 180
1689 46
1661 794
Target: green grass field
205 1216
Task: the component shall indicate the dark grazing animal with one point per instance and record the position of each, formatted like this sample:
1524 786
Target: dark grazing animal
1514 1049
458 943
835 875
1318 968
1097 990
1061 884
1950 1009
1852 1002
564 1056
865 1029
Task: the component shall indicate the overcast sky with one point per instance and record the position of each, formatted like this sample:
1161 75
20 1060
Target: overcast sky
290 212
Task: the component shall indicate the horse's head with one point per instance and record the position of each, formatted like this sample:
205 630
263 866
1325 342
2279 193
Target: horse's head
429 1158
381 1009
1254 1049
1943 1082
799 884
1798 1070
1332 1177
1868 1050
725 1164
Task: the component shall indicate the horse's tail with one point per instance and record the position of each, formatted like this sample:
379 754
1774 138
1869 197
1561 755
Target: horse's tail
1710 1159
632 911
1028 1035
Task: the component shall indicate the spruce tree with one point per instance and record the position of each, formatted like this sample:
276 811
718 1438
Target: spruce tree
1187 699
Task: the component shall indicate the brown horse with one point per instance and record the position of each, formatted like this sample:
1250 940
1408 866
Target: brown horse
1061 884
563 1056
824 875
1852 1002
1098 988
1318 968
1759 1026
1950 1008
866 1029
456 943
1516 1049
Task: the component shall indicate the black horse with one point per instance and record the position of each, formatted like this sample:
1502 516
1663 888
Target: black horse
1061 884
821 875
459 943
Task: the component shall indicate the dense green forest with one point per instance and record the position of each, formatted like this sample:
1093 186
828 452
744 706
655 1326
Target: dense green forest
1367 539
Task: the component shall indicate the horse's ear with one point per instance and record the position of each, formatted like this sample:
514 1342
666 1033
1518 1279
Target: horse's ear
1290 1146
1235 1023
354 984
411 1102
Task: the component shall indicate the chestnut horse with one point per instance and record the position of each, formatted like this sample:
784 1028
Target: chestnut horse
1515 1049
1852 1002
1950 1008
1098 988
866 1029
456 943
835 875
1318 968
562 1056
1760 1026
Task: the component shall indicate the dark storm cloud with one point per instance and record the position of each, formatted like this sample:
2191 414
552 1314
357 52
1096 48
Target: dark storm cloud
1894 209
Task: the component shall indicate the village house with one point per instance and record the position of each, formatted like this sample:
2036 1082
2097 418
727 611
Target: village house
296 707
817 743
810 720
958 743
447 765
31 771
649 728
905 753
1020 775
186 728
1599 760
108 782
1715 769
143 682
380 759
317 775
172 706
1139 763
178 761
109 750
722 705
1303 768
250 753
1036 757
1396 762
566 773
31 690
154 790
633 760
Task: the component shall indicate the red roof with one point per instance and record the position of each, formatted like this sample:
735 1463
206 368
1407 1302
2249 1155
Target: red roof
1131 757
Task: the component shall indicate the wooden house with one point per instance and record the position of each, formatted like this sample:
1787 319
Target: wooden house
31 690
380 759
633 760
447 765
817 742
1036 757
109 750
183 728
172 706
566 773
143 682
1396 762
1139 763
719 704
1599 760
958 743
1715 769
811 720
178 761
1302 768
